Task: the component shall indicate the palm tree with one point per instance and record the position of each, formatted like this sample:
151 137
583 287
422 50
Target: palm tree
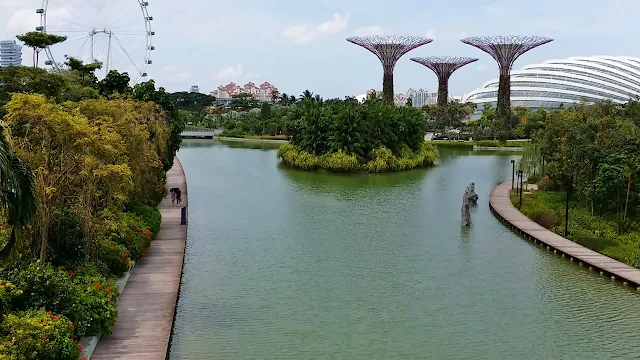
275 96
17 191
306 95
292 99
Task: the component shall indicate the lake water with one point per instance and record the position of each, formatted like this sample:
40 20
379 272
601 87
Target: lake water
283 264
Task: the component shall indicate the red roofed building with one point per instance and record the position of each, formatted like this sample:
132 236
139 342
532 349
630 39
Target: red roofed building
261 93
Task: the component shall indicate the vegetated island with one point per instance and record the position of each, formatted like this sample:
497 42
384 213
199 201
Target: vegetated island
592 153
346 136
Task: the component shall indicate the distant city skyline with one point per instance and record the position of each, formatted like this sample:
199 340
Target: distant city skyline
419 98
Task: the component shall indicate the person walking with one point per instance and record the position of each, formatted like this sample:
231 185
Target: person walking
173 197
178 196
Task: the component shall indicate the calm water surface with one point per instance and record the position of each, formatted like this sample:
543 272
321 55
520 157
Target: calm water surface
283 264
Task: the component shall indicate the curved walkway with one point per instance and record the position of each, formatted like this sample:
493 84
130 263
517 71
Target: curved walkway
147 305
501 206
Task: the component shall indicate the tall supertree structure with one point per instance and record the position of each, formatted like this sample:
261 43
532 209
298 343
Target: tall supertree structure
505 49
389 49
443 66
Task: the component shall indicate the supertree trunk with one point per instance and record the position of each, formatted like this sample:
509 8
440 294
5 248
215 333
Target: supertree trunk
388 49
443 67
505 50
387 87
503 107
443 99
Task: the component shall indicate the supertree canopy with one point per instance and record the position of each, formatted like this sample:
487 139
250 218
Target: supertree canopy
505 49
443 66
389 49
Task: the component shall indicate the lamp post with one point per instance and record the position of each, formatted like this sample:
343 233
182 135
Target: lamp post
566 208
521 176
513 172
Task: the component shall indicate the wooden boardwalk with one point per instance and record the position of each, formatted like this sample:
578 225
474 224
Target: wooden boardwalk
147 305
503 209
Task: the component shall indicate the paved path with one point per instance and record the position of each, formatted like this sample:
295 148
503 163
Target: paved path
503 209
147 305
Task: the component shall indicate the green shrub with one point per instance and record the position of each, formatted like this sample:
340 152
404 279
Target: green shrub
382 160
340 162
546 218
98 302
8 295
150 215
116 257
37 335
544 183
70 293
594 243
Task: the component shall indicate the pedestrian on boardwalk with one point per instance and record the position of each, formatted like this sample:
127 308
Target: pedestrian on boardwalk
173 197
178 196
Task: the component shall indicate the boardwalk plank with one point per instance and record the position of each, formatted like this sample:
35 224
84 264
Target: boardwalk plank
500 203
147 304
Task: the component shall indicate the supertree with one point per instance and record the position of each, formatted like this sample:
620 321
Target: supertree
388 49
443 66
505 49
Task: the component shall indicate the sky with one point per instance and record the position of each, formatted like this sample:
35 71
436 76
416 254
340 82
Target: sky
299 45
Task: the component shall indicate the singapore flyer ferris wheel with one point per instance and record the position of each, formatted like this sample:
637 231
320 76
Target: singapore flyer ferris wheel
117 33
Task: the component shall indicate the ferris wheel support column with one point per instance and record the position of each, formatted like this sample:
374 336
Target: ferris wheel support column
109 51
93 32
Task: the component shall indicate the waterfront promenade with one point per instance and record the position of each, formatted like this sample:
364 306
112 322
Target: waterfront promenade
503 209
147 305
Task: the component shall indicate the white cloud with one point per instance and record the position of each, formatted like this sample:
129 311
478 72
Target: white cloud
173 74
299 34
336 25
306 34
25 20
481 68
431 34
11 3
369 30
230 73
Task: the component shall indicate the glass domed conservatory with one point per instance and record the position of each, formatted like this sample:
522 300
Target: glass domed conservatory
560 83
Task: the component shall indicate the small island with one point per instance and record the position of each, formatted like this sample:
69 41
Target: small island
347 136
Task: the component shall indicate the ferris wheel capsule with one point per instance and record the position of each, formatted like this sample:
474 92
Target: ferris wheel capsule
119 37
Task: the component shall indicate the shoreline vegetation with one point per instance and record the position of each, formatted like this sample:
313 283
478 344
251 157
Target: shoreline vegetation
382 160
84 166
590 153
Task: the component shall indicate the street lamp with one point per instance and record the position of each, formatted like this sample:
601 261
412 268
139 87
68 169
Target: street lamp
521 176
513 172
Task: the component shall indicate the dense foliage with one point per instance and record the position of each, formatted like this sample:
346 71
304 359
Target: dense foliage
83 164
348 136
594 152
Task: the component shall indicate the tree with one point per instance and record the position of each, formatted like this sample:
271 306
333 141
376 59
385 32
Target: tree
39 41
84 70
275 96
114 82
194 102
307 95
17 191
243 102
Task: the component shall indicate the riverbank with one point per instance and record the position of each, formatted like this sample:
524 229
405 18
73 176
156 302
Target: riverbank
511 145
501 206
251 140
146 307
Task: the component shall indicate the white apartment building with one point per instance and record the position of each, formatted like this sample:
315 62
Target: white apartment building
10 53
195 89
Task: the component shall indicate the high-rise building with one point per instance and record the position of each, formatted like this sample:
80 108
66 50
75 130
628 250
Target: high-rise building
195 89
419 98
10 53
